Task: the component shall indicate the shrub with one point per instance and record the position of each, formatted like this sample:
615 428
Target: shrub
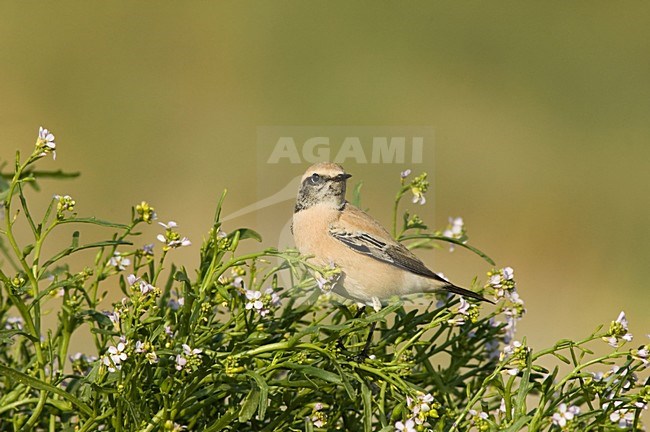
248 343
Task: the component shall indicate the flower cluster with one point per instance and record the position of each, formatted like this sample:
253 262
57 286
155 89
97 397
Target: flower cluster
262 302
146 348
618 331
236 278
189 359
516 353
465 311
145 212
64 203
141 286
45 143
502 282
480 420
414 222
171 238
318 417
456 230
419 187
327 278
422 408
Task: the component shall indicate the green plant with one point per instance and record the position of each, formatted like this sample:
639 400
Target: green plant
248 343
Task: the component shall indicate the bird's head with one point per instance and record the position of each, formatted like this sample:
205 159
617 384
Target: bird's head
322 183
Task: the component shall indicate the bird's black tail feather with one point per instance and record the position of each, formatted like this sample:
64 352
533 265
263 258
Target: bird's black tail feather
464 292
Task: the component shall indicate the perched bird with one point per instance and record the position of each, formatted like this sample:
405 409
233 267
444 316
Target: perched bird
374 267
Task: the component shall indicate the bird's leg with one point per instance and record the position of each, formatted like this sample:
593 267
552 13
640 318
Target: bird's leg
364 352
359 312
339 343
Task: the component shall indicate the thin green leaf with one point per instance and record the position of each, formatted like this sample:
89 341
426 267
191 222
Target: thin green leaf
71 250
366 397
250 405
247 233
94 221
40 385
264 394
6 335
449 240
316 372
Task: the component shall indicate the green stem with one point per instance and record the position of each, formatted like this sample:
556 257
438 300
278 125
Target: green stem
32 325
398 198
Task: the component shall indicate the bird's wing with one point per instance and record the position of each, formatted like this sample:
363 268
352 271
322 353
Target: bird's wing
360 232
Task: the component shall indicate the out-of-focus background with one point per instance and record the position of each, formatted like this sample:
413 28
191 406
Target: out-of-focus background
540 117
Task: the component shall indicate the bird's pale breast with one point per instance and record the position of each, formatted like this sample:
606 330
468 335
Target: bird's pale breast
363 277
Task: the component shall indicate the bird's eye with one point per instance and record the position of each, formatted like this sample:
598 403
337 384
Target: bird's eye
315 178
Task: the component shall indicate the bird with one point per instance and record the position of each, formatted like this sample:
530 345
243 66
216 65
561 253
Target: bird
373 266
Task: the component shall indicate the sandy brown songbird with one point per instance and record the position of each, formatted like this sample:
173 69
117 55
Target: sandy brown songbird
374 267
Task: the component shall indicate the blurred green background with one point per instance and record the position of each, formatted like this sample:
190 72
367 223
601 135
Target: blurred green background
541 115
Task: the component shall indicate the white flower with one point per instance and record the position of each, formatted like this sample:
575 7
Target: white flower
455 228
152 357
409 426
405 173
46 142
275 298
255 302
495 280
188 353
481 414
260 301
238 282
171 238
513 351
191 352
622 319
418 198
618 330
114 317
180 362
138 284
175 304
565 414
420 407
116 355
146 288
119 262
508 273
14 323
642 354
624 417
169 225
462 312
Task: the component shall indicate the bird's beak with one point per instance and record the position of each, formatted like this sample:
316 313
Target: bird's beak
343 177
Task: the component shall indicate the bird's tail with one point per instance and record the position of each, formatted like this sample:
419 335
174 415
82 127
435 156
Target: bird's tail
464 292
